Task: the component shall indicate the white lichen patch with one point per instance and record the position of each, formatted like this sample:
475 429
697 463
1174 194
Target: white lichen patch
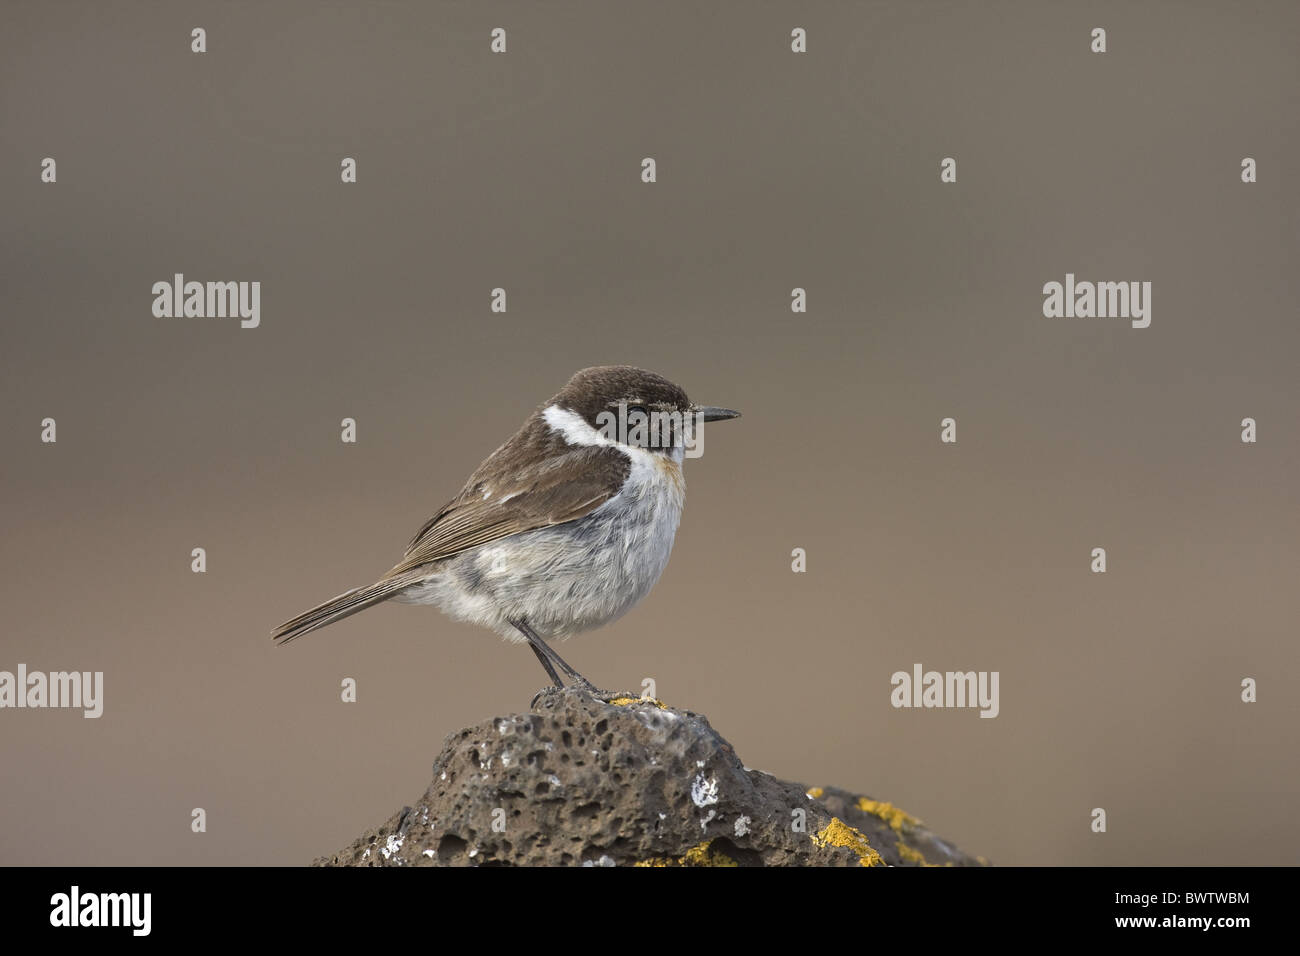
430 852
392 845
704 792
742 826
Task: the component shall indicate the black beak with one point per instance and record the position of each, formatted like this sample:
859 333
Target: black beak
712 413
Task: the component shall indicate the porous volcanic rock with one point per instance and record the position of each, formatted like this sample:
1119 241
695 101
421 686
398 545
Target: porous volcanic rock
581 781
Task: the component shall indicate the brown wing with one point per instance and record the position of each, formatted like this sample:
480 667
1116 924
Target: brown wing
533 481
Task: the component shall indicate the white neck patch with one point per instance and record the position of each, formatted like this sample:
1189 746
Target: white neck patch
576 430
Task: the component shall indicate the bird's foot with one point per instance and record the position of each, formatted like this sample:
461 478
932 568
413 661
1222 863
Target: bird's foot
621 698
583 687
608 696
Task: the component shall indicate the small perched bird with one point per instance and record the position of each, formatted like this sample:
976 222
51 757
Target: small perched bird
563 528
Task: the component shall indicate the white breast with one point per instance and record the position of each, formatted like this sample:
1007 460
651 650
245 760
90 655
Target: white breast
575 576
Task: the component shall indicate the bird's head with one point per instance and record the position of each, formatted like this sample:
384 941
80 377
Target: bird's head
631 406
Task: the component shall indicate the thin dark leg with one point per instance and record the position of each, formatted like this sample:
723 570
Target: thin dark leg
555 678
539 648
545 652
557 659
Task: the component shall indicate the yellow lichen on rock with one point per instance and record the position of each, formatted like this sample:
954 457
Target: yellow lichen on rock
705 855
701 855
816 792
913 855
629 701
896 818
839 833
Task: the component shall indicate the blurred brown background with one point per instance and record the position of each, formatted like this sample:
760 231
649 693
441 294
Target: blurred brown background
775 170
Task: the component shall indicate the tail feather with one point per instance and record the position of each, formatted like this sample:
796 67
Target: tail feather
345 605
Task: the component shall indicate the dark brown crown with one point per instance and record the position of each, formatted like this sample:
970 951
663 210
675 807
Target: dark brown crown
602 388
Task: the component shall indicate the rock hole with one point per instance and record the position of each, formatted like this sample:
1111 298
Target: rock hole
451 845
